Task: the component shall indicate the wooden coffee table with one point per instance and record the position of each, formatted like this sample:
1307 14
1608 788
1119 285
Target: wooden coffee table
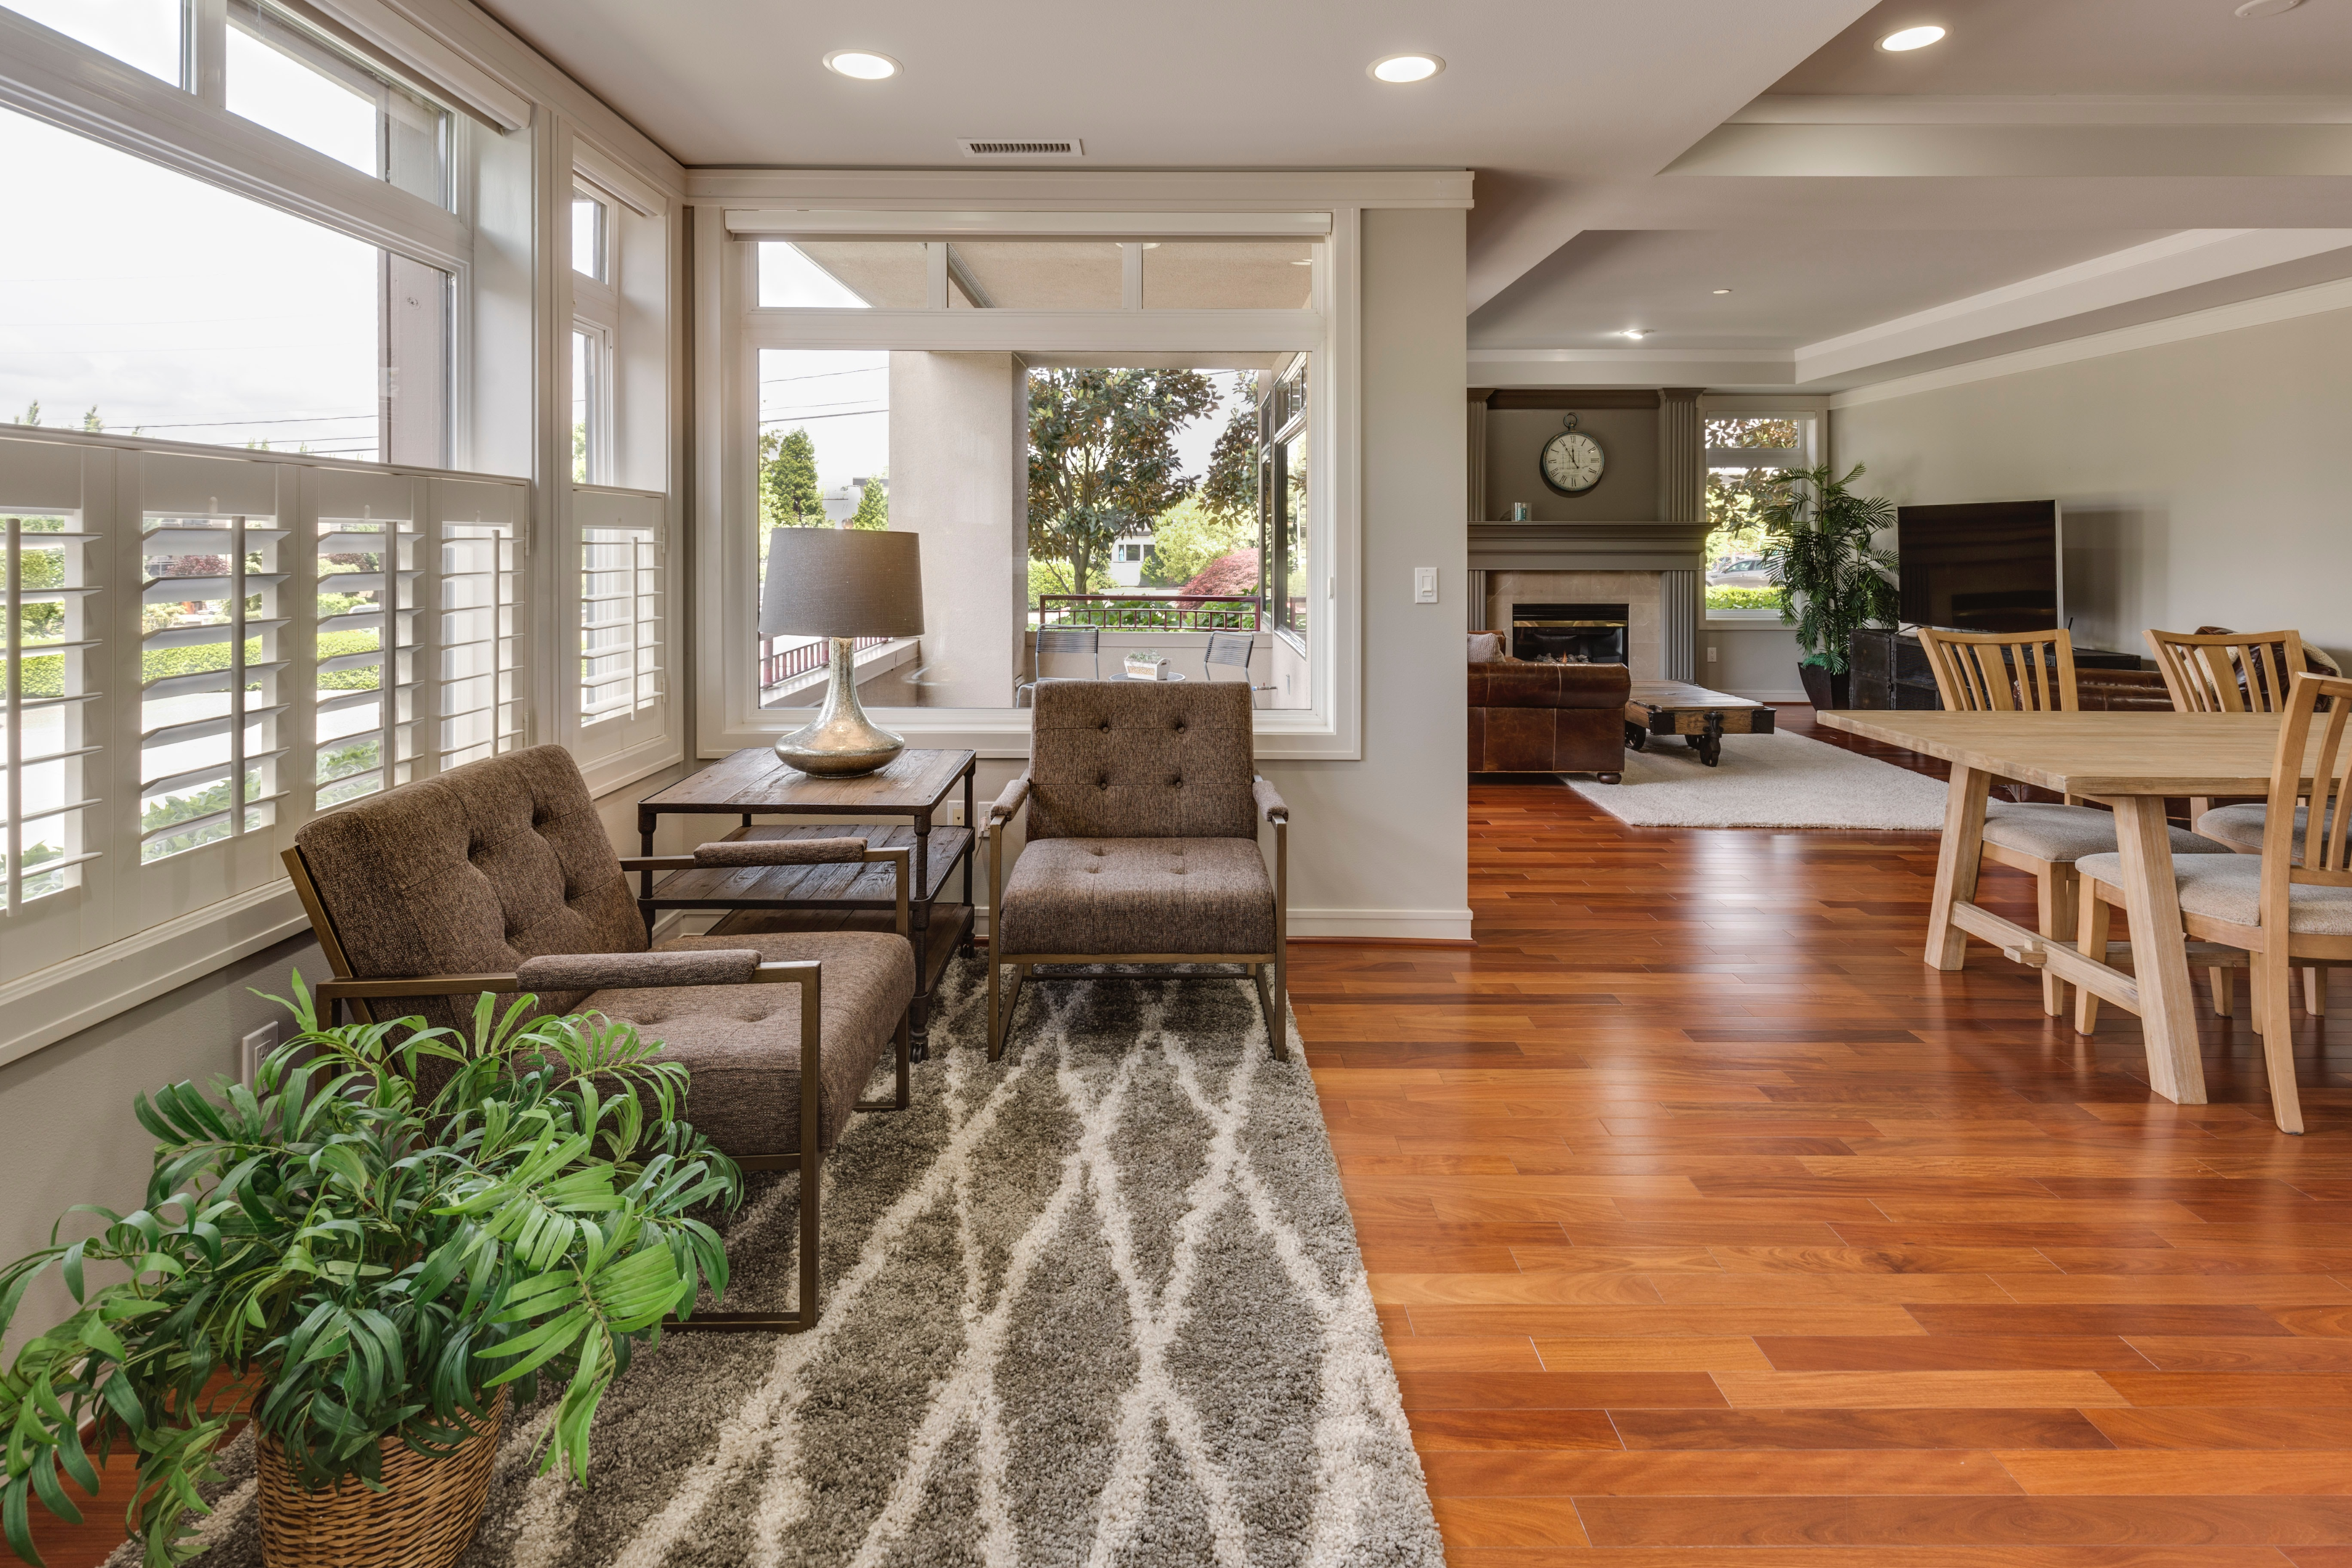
1702 718
752 783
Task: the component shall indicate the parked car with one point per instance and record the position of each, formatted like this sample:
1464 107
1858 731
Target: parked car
1739 571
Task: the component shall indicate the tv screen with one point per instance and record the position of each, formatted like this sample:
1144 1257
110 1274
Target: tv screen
1988 567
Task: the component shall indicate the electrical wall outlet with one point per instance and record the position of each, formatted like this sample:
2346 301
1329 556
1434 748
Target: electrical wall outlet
1710 653
955 814
253 1050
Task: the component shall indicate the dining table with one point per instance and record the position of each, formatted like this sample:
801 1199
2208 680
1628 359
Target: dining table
2131 762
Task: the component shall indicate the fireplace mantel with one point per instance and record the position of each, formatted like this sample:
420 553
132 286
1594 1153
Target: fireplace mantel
1586 546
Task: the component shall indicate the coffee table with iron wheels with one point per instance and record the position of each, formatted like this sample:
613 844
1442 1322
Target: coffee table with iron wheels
753 783
1702 718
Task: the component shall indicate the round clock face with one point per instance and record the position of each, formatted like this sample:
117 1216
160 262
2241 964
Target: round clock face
1572 462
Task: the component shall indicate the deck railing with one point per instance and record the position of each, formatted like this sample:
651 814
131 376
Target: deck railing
1144 612
778 665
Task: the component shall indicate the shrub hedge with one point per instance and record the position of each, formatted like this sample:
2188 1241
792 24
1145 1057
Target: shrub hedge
45 674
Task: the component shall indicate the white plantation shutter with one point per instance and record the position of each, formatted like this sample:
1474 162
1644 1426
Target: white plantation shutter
478 638
622 717
203 651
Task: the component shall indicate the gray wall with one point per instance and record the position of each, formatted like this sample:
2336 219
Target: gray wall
1755 659
2202 482
1628 491
71 1137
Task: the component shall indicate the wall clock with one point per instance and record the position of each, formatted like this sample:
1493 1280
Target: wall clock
1572 460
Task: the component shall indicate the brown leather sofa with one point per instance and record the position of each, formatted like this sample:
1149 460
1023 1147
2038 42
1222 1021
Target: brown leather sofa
1548 718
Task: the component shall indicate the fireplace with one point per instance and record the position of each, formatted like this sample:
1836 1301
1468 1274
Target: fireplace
1569 634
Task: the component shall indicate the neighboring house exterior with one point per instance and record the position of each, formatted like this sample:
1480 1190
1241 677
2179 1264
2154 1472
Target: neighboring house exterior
1126 560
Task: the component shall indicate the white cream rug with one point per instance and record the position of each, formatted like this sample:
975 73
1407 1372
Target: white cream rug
1767 780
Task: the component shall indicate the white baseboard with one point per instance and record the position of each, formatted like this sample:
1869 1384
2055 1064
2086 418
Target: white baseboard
1409 925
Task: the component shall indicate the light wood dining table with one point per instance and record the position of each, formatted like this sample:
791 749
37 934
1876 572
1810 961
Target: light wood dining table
2131 762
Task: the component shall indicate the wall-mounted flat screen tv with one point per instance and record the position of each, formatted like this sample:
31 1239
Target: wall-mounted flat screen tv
1992 566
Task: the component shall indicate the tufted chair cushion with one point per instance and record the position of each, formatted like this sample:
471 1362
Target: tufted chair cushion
1141 759
472 871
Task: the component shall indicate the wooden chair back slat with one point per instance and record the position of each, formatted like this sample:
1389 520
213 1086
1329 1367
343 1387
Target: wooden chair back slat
1995 672
2322 858
2227 672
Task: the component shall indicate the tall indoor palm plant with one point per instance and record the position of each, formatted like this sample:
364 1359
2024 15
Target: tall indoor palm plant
1818 547
360 1268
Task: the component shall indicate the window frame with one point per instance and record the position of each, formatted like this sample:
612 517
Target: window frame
732 329
1811 414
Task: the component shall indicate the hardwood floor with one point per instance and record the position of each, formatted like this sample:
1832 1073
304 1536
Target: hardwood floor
1709 1226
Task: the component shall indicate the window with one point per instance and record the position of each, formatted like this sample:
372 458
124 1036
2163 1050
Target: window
142 33
1075 456
621 631
595 327
335 348
286 77
481 651
589 225
45 581
1744 453
365 667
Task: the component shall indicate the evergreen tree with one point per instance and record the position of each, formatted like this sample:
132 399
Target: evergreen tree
788 497
874 505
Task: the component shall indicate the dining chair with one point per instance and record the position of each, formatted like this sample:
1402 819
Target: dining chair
2292 905
2033 672
2233 672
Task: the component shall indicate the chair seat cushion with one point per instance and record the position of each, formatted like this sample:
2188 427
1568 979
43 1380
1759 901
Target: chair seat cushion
2061 833
1138 895
742 1043
2241 826
2230 887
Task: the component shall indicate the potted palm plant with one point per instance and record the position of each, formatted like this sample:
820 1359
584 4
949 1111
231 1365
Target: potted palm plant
1818 547
366 1270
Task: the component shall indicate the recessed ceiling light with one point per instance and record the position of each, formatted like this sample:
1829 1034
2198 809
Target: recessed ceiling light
2252 9
1723 290
1635 332
862 64
1406 68
1911 39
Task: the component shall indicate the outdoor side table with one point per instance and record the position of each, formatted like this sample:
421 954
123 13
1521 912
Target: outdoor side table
752 783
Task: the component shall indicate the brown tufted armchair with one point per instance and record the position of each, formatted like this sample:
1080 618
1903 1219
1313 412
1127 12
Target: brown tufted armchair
498 876
1142 841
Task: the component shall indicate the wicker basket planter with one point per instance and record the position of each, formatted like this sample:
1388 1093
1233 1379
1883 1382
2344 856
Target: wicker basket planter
425 1517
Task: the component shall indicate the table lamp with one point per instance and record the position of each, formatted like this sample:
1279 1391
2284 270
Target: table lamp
842 584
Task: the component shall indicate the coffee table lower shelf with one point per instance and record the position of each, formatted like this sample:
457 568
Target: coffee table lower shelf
948 932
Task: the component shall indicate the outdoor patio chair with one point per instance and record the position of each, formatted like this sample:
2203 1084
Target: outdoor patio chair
499 876
1230 648
1084 640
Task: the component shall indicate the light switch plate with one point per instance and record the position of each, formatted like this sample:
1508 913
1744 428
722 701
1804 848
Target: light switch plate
1424 584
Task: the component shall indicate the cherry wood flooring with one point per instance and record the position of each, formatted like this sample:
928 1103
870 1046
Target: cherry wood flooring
1708 1226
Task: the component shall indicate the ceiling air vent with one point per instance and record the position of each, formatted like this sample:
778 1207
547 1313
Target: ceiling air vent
1034 147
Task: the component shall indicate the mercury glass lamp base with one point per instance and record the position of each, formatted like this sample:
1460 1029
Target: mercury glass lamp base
842 742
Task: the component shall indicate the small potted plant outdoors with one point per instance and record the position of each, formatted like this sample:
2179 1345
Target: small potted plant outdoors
1818 545
1143 664
365 1272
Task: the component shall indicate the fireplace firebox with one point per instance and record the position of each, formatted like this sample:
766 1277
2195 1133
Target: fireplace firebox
1569 634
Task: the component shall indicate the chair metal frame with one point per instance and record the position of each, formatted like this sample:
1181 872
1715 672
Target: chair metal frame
1227 641
1086 640
806 974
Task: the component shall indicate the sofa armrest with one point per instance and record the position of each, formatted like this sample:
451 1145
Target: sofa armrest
1007 806
1270 804
599 971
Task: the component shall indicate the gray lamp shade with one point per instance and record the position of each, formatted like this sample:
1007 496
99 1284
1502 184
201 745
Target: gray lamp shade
842 582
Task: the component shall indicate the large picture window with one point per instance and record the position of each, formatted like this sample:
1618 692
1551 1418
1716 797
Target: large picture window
143 312
1746 453
1107 443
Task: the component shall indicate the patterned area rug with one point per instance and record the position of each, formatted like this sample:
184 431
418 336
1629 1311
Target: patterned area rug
1767 780
1098 1304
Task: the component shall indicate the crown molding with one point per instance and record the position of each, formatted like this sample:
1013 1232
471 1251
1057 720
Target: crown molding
1080 190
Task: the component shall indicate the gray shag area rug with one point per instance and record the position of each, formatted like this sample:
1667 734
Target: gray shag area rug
1767 780
1098 1304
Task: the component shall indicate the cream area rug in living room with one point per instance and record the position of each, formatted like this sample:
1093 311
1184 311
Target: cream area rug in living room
1767 780
1098 1303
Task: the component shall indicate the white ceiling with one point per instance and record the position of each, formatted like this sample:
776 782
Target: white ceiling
2015 182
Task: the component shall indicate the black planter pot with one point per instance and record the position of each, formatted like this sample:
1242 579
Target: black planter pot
1823 690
